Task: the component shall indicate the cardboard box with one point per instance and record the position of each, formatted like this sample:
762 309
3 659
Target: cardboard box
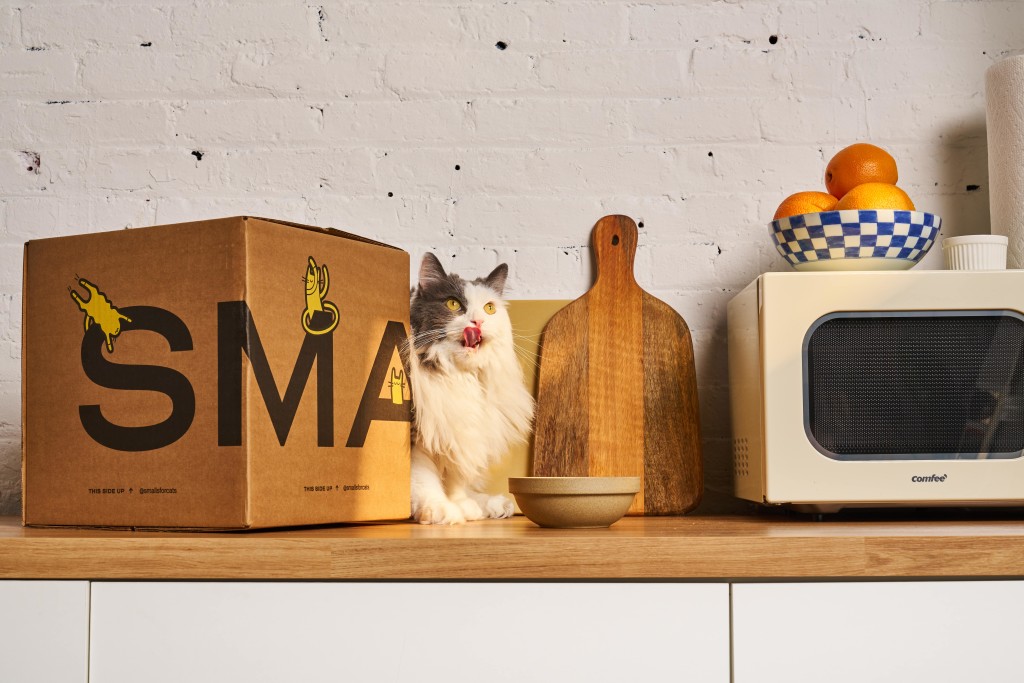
223 374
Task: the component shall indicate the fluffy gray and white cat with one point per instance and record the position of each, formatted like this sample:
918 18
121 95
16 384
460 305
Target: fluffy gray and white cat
470 402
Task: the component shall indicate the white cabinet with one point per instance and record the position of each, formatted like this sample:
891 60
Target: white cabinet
879 632
868 632
44 631
409 632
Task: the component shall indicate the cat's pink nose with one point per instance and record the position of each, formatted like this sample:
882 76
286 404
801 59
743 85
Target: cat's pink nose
471 337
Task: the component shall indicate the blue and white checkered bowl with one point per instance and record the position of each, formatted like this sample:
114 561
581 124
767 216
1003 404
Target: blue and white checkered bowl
875 239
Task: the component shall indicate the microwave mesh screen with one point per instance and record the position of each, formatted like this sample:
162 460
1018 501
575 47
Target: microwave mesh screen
916 386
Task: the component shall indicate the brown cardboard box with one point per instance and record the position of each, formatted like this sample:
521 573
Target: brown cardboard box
232 373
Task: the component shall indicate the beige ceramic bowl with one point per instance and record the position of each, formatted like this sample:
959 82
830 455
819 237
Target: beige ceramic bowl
574 502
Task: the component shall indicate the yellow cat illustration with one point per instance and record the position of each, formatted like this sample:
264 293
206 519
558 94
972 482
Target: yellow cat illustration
317 283
397 384
99 310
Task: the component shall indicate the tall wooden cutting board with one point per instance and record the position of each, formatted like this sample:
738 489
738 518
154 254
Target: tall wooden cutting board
617 388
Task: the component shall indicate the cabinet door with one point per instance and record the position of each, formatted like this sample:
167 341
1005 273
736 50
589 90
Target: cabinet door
44 631
879 632
420 632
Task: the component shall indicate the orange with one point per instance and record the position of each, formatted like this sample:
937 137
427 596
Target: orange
876 196
804 202
858 164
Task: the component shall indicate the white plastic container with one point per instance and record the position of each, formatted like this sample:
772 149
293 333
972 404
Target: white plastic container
975 252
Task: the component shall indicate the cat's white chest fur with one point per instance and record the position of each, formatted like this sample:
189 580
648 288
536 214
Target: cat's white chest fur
470 419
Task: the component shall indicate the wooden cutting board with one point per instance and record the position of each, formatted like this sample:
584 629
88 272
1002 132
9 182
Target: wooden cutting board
617 389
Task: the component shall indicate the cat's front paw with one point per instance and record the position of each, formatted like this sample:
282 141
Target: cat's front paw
471 509
498 507
439 512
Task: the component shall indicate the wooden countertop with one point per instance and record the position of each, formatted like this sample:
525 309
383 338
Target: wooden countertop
692 547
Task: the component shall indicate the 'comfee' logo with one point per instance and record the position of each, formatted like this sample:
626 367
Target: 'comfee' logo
937 478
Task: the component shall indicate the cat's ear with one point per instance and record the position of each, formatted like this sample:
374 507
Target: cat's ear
431 271
496 280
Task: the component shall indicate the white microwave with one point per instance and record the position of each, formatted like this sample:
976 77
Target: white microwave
878 389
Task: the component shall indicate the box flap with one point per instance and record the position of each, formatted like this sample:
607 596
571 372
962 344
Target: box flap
325 231
230 220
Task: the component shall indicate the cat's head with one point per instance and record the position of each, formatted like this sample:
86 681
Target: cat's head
459 320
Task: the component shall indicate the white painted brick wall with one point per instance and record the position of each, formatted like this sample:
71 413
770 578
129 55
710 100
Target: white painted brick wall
682 114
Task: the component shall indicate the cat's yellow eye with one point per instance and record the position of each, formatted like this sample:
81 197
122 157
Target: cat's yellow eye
490 308
453 305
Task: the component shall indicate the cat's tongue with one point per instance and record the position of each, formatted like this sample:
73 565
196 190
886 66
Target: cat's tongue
471 337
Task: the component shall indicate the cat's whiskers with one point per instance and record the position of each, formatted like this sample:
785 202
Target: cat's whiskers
422 338
417 337
530 350
428 335
527 340
526 356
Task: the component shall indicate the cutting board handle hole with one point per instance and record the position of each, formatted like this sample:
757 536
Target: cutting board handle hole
615 240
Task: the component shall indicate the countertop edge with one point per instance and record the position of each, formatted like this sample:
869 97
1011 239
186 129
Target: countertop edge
636 549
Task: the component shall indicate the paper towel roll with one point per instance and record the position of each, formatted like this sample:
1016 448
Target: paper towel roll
1004 113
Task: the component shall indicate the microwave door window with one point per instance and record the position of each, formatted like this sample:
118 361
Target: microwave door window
917 385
